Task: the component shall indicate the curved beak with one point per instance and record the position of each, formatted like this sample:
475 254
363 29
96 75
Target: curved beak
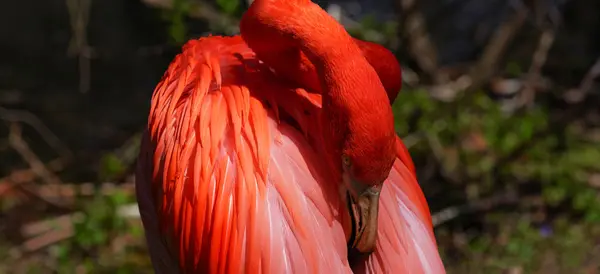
363 203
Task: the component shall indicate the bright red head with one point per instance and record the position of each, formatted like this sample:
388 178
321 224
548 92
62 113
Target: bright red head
370 147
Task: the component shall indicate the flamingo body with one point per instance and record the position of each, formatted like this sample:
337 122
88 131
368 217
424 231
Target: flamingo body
230 176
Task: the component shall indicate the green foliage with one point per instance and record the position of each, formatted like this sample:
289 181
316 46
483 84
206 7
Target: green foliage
229 7
520 150
521 246
100 240
110 165
99 230
176 18
372 29
513 69
95 230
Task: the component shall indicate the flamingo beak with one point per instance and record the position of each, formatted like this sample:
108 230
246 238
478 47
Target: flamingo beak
363 203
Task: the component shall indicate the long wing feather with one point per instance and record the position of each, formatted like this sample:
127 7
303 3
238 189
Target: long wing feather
222 186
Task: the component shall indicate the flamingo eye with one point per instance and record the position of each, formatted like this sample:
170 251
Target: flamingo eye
346 161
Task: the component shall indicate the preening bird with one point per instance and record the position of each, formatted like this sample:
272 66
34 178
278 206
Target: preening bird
274 151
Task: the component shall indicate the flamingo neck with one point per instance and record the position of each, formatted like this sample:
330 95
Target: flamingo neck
350 85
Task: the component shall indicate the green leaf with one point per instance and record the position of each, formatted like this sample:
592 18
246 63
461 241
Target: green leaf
554 194
513 69
230 7
111 165
584 199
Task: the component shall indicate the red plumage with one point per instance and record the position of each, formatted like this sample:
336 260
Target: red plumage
231 175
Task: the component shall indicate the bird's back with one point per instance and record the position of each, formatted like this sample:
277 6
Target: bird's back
222 186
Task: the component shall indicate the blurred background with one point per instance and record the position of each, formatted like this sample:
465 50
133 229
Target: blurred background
500 110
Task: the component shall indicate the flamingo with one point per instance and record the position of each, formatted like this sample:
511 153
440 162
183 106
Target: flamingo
274 151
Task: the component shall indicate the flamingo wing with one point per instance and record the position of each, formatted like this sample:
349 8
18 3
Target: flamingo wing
222 185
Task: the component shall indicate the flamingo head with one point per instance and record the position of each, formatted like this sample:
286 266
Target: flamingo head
368 154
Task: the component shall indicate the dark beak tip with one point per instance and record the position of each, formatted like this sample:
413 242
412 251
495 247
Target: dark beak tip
366 207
